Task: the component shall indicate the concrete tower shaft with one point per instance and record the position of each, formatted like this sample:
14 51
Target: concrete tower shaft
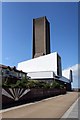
41 37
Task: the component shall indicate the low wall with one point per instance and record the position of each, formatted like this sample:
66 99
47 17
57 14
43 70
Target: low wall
12 97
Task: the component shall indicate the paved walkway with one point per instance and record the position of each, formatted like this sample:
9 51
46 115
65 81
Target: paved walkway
54 107
73 111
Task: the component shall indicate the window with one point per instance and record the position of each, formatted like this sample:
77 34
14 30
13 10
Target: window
23 75
20 75
7 72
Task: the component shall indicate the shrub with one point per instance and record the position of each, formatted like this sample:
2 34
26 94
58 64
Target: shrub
25 83
61 86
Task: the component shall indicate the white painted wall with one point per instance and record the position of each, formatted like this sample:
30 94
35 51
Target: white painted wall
42 63
76 75
66 73
46 75
41 75
42 67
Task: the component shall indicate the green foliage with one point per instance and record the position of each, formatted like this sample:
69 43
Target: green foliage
61 86
24 83
5 85
18 84
31 84
46 85
55 84
0 85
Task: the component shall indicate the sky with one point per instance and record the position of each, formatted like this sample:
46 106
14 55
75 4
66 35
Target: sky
17 30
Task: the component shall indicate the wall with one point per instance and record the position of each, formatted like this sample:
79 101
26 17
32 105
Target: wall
41 75
32 95
43 63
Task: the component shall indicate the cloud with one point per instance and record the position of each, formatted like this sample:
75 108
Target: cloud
76 75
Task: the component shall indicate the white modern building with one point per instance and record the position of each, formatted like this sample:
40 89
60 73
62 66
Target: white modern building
40 64
47 67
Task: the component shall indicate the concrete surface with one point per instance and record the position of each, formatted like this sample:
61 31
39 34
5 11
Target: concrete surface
54 107
73 111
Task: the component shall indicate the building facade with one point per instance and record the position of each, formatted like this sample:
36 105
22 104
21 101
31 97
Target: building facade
45 65
41 37
11 74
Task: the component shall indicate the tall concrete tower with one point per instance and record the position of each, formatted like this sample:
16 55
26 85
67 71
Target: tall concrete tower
41 37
